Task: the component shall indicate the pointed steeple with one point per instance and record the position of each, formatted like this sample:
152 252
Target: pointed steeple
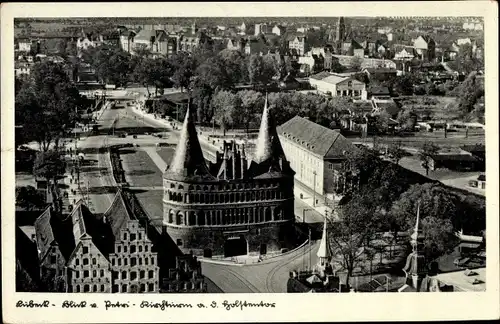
268 144
188 160
324 251
416 268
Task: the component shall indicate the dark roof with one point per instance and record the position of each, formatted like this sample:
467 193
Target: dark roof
321 75
478 148
454 157
86 223
26 253
117 214
296 286
318 139
379 90
381 70
50 231
188 161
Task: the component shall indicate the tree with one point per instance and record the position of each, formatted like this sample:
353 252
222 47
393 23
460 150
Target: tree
358 220
261 70
29 198
426 152
407 119
144 73
396 152
233 63
46 106
251 104
49 165
183 70
404 84
356 62
438 208
227 108
382 122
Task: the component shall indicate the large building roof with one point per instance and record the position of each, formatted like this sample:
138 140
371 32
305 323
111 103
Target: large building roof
322 141
87 224
51 231
117 214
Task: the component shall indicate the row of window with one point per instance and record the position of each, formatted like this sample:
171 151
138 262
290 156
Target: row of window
133 248
87 288
133 275
133 261
133 236
150 287
86 274
185 286
226 217
224 187
85 261
215 198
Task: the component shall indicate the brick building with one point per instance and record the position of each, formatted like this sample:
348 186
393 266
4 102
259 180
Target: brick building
234 206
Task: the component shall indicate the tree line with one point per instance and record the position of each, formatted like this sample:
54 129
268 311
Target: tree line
385 201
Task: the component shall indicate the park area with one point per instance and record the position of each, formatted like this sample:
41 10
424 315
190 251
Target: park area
140 170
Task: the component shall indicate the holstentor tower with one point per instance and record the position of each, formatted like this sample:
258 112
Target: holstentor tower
235 206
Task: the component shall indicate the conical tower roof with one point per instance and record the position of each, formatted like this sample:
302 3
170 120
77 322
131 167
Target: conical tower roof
188 161
268 143
324 250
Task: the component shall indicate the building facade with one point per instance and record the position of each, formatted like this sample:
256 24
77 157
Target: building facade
232 207
298 43
337 85
185 277
317 154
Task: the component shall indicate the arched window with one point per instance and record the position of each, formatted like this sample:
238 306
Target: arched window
209 218
198 188
268 195
268 214
77 261
124 288
201 218
253 196
95 288
171 217
190 187
202 198
231 197
180 219
77 288
181 187
205 188
172 185
192 218
222 196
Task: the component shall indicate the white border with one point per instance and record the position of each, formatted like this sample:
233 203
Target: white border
289 307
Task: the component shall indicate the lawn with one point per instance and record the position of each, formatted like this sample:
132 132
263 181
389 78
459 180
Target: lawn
140 170
151 200
167 153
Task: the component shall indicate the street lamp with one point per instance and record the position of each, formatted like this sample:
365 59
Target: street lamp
314 189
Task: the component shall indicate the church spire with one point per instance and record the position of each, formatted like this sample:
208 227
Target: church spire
416 267
188 160
324 251
268 144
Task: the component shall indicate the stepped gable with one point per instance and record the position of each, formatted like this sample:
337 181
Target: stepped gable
188 162
269 159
